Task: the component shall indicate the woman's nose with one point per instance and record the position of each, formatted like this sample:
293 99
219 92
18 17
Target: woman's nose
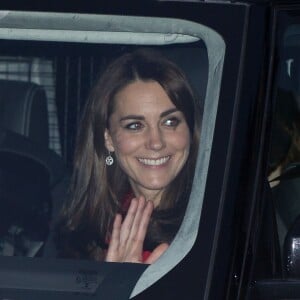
155 139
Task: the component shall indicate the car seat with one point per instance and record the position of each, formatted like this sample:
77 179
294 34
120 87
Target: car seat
29 170
24 110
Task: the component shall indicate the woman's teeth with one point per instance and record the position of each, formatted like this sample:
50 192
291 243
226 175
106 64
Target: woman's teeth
154 162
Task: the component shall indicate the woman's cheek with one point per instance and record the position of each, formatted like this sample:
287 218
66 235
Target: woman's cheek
180 141
125 143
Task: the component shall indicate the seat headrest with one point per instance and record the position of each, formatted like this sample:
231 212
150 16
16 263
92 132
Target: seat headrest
23 109
23 149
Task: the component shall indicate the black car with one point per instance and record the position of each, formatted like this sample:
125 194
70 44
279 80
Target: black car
240 235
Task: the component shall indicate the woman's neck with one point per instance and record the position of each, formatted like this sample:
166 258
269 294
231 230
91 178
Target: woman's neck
151 195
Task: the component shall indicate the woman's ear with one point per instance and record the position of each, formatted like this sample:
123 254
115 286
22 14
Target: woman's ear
108 141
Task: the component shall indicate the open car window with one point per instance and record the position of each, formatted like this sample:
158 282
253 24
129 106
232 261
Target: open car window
77 46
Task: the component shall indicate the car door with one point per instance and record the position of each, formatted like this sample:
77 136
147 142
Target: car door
226 59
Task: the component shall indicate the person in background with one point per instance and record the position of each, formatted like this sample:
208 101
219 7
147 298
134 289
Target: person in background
285 139
284 158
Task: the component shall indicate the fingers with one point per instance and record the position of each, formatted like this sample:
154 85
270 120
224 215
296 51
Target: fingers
127 238
112 252
143 222
129 220
137 223
157 252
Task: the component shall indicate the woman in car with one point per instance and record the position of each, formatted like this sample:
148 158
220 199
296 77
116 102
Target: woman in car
134 162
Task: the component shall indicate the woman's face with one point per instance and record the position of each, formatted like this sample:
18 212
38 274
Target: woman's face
149 136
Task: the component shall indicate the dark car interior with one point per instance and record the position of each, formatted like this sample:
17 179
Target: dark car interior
25 110
45 81
37 144
29 170
285 152
43 88
280 280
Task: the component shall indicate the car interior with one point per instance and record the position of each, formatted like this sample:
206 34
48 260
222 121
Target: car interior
286 142
29 169
48 64
45 80
281 281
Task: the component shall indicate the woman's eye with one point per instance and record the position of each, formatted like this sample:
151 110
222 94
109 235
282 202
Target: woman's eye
134 126
172 122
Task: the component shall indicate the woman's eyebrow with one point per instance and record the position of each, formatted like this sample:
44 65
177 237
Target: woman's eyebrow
169 111
139 117
132 117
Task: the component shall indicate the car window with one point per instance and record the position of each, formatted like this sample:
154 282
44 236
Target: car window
64 54
40 70
285 150
279 231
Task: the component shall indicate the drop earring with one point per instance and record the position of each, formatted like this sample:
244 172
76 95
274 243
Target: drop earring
109 159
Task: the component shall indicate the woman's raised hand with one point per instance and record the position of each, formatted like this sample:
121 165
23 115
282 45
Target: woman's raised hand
127 238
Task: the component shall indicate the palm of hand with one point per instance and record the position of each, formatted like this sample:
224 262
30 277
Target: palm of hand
127 239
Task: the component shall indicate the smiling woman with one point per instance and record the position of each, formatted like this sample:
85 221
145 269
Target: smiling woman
134 162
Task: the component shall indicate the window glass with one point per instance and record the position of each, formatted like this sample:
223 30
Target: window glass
285 152
41 71
278 246
64 54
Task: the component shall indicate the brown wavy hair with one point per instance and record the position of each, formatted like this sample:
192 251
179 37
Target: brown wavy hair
96 189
